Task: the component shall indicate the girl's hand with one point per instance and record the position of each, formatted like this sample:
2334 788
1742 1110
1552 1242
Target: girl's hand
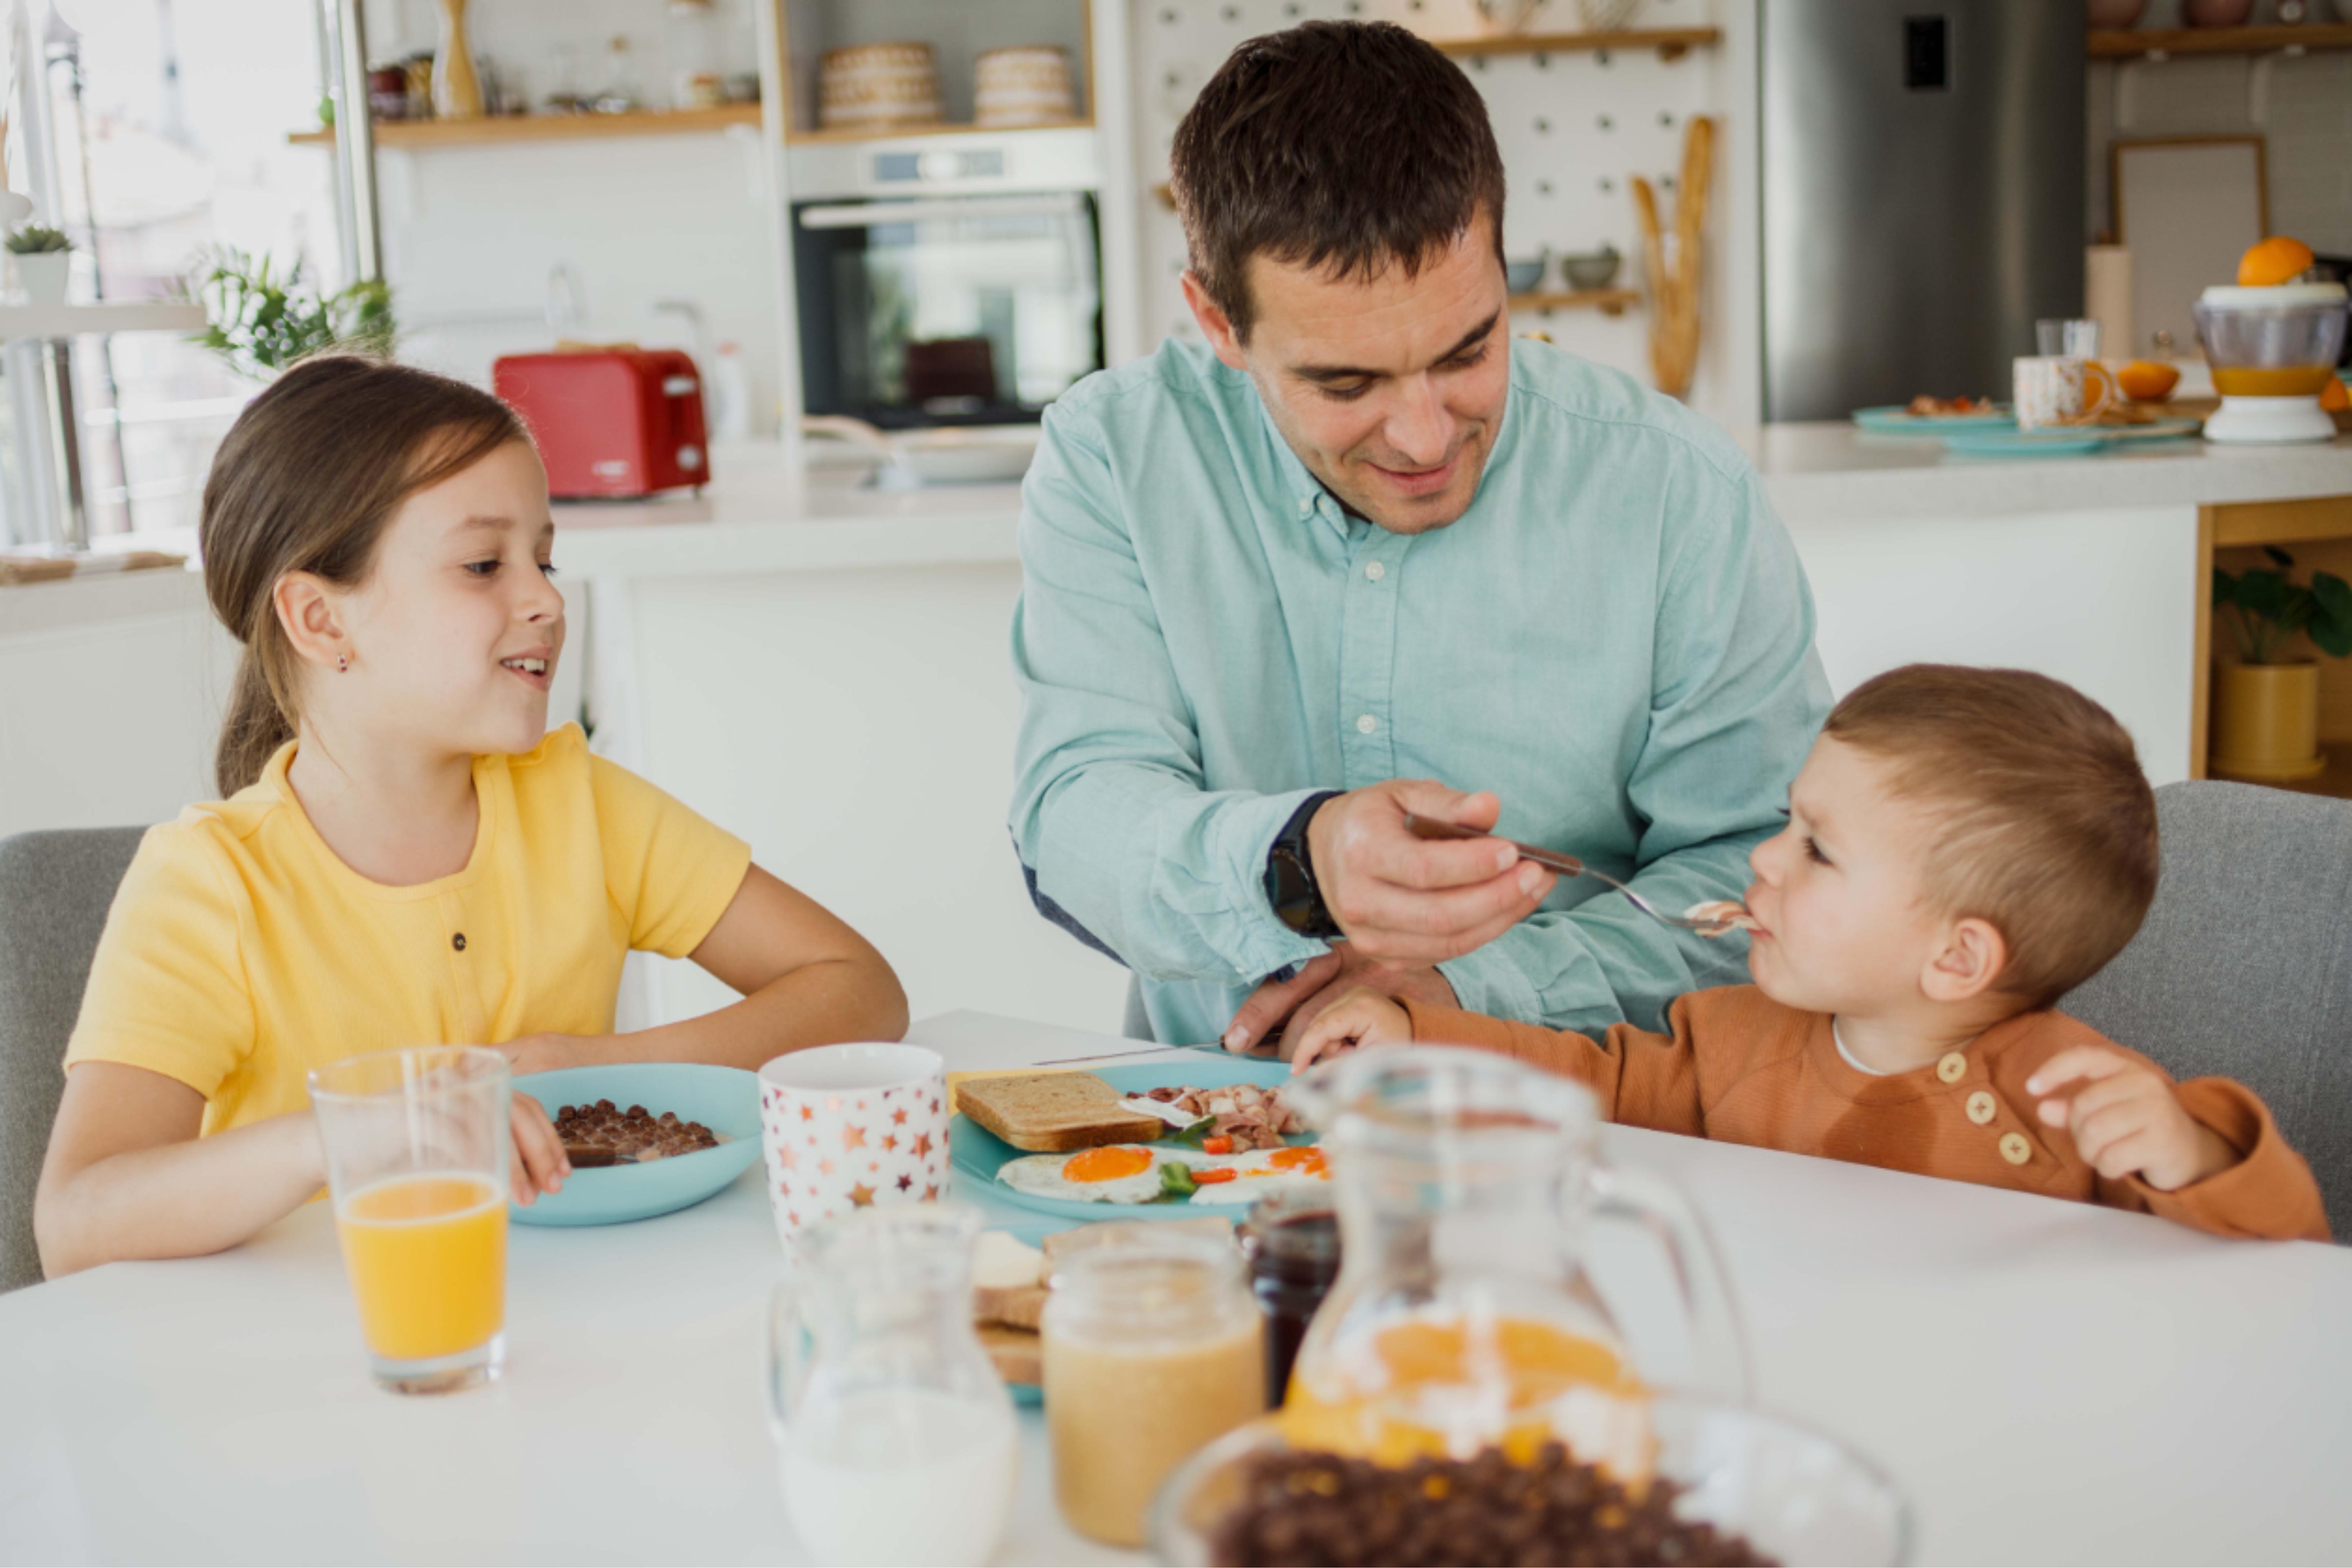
2127 1121
543 1052
1361 1019
540 1163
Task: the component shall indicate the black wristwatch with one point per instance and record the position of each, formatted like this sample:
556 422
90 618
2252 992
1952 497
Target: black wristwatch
1290 886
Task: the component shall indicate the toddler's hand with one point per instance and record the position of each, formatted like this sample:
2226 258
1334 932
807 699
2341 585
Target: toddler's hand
2126 1119
540 1164
1361 1019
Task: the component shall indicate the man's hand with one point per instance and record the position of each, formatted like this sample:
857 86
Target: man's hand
1406 902
1291 1005
1360 1020
2126 1119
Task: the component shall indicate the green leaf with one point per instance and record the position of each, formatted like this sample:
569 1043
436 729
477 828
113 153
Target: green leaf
2331 624
2225 588
2278 555
2263 593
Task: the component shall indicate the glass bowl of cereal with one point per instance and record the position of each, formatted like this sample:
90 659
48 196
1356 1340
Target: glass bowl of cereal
1731 1485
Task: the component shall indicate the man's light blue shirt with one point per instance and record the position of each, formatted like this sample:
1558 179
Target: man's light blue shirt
1616 638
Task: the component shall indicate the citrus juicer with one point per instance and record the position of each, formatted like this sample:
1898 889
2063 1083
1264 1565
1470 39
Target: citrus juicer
2273 352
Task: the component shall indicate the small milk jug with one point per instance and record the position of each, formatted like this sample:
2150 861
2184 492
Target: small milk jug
895 1435
1463 1317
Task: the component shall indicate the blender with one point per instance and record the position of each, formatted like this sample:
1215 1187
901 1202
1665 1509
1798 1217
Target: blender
2273 352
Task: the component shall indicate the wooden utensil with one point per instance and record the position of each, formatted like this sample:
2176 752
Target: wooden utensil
1674 280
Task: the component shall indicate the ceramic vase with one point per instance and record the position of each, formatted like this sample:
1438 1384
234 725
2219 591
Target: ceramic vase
2266 722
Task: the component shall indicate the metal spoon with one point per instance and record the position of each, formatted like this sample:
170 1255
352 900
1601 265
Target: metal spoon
1569 865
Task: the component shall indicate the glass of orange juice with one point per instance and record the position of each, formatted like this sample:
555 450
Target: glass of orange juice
416 1144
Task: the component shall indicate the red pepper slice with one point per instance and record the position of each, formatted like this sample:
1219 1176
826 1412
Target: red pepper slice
1213 1174
1220 1145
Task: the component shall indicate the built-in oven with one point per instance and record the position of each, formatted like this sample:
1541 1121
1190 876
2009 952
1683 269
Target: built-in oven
947 280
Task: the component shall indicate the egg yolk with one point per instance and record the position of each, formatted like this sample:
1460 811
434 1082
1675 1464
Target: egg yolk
1107 1164
1306 1161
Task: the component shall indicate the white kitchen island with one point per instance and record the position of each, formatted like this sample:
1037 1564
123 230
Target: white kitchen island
824 667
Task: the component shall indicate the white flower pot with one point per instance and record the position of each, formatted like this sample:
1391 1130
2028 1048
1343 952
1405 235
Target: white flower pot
42 275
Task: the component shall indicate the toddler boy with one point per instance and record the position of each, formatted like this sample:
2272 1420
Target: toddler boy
1964 847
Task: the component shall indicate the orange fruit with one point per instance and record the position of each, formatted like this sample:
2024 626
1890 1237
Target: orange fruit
2334 395
2275 260
2143 382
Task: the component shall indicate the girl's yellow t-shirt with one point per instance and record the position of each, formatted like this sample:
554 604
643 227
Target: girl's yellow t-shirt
240 953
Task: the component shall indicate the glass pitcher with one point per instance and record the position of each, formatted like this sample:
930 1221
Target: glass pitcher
895 1435
1463 1317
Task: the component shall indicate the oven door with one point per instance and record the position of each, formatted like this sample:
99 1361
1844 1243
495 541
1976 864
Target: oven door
947 310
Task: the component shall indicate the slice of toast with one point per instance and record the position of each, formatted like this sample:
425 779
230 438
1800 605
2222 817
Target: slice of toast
1017 1352
1014 1307
1049 1112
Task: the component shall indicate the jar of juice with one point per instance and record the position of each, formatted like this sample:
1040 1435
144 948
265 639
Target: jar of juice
1152 1349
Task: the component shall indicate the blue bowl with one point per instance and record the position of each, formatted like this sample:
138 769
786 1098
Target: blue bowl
724 1098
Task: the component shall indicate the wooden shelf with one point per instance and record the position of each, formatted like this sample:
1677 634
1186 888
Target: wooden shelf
1608 301
126 316
2336 782
510 127
1672 43
943 128
2157 43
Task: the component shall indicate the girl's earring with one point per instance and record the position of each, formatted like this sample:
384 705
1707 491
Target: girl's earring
342 663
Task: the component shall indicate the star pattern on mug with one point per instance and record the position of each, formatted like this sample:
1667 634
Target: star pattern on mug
831 1152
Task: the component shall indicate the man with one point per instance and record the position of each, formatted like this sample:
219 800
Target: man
1363 541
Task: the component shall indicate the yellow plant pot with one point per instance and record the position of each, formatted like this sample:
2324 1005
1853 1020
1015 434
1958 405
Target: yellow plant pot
2266 722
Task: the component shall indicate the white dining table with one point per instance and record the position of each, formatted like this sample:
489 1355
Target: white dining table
2047 1382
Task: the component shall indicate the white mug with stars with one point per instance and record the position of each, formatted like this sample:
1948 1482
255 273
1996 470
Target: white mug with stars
849 1126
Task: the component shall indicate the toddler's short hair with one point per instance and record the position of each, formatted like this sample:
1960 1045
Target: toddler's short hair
2047 824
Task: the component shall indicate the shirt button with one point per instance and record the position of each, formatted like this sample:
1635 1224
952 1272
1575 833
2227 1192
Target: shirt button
1981 1107
1951 1067
1366 724
2015 1149
1306 505
1376 572
459 941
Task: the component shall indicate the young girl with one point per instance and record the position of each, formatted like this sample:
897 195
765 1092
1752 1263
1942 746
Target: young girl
406 855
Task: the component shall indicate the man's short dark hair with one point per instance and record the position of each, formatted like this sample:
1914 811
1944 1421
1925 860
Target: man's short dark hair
1349 146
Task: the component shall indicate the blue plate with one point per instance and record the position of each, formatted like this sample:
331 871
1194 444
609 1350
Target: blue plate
2063 442
724 1098
1895 420
978 1153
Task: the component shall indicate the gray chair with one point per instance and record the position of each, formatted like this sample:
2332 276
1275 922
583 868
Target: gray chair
2244 967
55 891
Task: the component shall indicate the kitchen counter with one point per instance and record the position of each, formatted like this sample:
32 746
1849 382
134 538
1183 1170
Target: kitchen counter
765 513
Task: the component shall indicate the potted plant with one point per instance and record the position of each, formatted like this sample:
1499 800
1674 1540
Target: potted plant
2267 705
262 320
42 255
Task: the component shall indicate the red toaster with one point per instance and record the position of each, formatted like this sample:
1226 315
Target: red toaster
611 420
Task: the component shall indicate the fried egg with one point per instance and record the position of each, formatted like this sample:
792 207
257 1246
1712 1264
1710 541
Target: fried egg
1115 1173
1259 1172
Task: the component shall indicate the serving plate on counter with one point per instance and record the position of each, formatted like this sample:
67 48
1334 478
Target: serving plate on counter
2063 443
1894 419
978 1153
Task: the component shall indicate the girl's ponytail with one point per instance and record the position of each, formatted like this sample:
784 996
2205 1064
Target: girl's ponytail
305 481
253 731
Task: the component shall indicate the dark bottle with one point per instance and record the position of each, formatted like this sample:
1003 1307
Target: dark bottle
1292 1241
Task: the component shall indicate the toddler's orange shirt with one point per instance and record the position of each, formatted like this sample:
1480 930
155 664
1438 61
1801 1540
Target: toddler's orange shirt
1742 1069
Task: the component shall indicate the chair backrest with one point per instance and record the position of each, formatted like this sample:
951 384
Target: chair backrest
2244 970
55 891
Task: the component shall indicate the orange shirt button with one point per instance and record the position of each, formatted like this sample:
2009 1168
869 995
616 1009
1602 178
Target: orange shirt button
2015 1149
1981 1107
1951 1067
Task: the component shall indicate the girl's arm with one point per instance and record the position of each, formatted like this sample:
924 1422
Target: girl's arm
806 977
127 1176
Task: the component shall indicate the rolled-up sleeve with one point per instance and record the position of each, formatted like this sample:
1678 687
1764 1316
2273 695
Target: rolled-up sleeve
1116 827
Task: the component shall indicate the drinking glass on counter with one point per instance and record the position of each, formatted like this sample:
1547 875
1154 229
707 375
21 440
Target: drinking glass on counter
2057 337
1152 1349
895 1436
417 1149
